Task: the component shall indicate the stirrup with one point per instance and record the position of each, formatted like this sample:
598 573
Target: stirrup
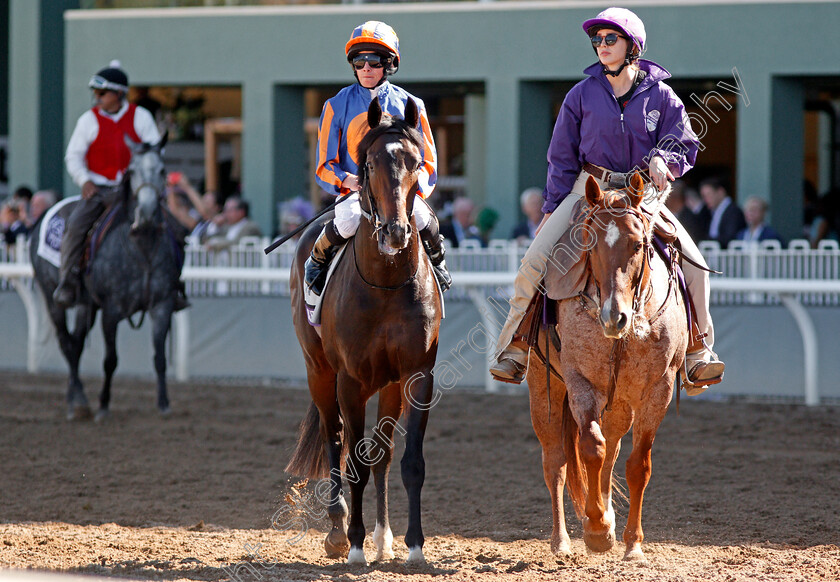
508 370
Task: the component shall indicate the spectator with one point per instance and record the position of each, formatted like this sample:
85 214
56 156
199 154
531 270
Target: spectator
686 205
199 213
727 218
41 201
530 201
293 213
236 225
485 222
755 209
12 223
462 225
22 196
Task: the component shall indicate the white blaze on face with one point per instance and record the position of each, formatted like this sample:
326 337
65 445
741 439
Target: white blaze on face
393 147
612 234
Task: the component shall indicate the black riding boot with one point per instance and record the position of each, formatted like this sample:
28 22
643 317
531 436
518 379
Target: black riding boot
323 251
65 295
181 301
433 242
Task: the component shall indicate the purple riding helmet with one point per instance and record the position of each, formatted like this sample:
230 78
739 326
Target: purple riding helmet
625 21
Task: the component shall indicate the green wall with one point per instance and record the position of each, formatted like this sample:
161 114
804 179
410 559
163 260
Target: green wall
514 50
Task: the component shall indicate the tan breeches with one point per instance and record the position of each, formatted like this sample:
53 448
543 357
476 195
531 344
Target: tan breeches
533 268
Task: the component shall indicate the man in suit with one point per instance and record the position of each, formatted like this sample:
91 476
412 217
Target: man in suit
757 230
462 225
236 225
530 201
727 218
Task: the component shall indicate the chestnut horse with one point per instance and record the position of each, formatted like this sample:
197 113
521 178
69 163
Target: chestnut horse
621 352
380 319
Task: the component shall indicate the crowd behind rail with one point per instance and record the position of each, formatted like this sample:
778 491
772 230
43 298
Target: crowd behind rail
765 260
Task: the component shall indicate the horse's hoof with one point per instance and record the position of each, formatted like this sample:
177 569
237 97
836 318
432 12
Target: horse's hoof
336 544
562 548
634 553
383 539
415 557
77 413
102 415
356 557
165 412
599 542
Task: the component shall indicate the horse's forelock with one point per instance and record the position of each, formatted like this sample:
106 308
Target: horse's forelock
388 125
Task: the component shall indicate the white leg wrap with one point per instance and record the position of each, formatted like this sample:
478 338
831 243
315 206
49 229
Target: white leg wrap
348 215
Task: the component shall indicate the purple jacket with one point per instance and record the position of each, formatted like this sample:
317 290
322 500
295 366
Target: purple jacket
591 128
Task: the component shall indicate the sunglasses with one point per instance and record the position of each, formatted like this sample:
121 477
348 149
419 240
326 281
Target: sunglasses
374 60
610 39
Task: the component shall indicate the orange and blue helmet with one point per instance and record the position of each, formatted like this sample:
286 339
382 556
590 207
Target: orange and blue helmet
377 37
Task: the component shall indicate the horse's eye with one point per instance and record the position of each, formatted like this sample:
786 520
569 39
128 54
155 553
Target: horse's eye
369 167
639 246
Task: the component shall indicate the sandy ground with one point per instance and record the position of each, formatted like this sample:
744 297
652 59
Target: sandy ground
740 491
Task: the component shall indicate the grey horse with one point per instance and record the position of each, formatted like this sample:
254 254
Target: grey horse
136 269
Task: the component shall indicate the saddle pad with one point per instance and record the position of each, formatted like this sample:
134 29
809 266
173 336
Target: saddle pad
313 301
565 274
52 231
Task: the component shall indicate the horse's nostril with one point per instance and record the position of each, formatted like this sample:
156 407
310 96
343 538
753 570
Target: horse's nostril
622 321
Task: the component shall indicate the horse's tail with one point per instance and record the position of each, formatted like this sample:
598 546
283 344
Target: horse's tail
308 459
575 470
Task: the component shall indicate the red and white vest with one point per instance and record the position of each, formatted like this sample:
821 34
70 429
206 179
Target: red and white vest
108 155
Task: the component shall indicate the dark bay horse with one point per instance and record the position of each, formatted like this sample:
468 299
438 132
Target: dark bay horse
623 342
136 269
379 334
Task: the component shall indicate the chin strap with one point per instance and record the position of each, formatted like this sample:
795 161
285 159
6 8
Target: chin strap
617 72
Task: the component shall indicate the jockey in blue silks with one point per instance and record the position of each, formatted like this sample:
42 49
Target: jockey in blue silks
373 52
621 118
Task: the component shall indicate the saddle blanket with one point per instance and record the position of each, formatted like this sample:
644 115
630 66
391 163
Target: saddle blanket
52 230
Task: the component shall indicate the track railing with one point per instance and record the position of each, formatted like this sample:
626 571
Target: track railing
767 274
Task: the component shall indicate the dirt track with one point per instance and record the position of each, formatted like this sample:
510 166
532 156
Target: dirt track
740 491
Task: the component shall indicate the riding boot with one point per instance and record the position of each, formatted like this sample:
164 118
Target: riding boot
702 366
66 294
434 248
323 252
181 301
433 243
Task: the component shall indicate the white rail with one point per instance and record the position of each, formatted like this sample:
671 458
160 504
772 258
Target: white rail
797 276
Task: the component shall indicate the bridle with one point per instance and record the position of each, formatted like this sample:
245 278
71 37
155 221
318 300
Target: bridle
372 216
643 286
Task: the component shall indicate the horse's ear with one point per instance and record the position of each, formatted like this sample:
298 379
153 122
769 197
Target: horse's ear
132 145
636 190
160 145
412 112
593 192
374 113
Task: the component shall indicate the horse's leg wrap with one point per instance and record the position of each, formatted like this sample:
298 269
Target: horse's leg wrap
323 251
433 243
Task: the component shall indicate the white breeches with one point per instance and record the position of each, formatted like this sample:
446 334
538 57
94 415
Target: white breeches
348 215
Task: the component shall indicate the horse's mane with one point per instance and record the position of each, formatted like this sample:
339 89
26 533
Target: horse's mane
388 124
